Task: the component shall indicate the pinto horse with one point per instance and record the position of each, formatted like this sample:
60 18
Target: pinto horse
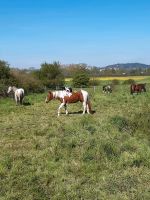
19 94
65 99
137 88
107 89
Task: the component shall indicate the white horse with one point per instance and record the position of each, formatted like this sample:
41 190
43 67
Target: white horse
65 99
19 94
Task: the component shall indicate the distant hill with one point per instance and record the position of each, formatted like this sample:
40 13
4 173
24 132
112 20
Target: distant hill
127 66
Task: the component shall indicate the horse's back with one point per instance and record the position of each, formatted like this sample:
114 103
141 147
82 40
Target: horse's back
76 96
84 92
142 85
20 92
137 88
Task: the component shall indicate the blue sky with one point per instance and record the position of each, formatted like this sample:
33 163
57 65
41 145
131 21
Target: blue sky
96 32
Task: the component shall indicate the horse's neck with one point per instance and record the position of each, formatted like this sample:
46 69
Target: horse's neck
55 94
14 89
59 94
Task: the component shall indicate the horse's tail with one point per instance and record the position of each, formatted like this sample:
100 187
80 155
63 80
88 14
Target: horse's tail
85 96
21 94
144 87
89 105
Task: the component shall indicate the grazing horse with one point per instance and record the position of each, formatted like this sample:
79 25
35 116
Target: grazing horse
137 88
107 89
19 94
65 99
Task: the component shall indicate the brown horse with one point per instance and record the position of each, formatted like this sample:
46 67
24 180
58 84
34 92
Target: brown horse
65 99
137 88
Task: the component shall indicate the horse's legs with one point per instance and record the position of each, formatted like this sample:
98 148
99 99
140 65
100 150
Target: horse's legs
21 100
84 107
61 105
16 99
66 109
88 110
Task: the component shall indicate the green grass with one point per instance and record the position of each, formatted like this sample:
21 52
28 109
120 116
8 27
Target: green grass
101 156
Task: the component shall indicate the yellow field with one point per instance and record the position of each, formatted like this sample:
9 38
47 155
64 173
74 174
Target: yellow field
115 77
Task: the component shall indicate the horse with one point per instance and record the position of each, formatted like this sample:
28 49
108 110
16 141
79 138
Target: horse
63 97
19 94
107 89
137 88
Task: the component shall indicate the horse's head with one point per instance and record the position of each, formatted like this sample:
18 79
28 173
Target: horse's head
9 89
49 97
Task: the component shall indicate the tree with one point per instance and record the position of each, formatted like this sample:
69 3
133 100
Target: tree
5 77
51 75
26 80
81 80
4 70
5 74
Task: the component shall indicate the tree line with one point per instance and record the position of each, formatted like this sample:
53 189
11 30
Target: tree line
52 75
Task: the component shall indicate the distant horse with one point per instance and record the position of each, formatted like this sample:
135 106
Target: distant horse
19 94
107 89
62 96
137 88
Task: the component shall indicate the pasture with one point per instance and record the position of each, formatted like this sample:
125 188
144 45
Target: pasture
92 157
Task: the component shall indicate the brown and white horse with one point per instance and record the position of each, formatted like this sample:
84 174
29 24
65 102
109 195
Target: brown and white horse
65 99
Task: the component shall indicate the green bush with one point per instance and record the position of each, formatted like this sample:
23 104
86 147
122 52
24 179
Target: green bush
94 82
81 80
129 81
115 82
51 75
26 81
4 70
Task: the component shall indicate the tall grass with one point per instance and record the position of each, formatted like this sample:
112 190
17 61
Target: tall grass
101 156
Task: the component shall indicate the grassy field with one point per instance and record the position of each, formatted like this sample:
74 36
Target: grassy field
104 156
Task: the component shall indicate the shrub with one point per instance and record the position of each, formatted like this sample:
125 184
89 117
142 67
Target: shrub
51 75
129 81
3 90
94 82
115 82
26 81
81 80
4 70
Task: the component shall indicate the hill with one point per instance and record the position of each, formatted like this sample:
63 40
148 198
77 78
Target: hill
127 66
